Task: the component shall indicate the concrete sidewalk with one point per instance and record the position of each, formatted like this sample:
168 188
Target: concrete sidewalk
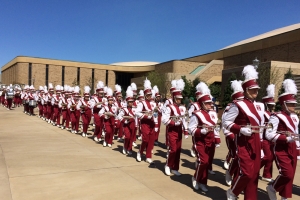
40 161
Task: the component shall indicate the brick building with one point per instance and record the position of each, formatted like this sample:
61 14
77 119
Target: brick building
278 50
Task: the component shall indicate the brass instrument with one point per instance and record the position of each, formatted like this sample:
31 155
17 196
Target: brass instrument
149 113
109 114
128 117
217 126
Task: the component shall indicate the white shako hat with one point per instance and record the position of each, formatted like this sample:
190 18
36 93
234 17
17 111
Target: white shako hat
76 91
290 91
118 90
238 91
173 86
178 89
109 94
251 75
147 87
50 87
269 99
57 89
87 90
155 88
134 88
129 94
100 87
141 95
205 93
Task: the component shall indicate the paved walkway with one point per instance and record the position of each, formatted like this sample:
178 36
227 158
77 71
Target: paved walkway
39 161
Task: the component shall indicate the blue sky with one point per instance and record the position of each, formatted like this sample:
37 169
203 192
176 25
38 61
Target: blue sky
111 31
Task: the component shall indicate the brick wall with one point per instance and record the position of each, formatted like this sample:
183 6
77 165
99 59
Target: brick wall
214 70
55 75
184 66
99 75
38 72
70 75
111 79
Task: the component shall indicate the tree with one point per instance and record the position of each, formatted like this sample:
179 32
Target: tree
228 91
90 83
188 88
160 80
215 90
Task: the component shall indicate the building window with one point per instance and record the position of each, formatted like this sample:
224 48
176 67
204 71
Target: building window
78 75
93 80
30 74
47 75
63 75
106 77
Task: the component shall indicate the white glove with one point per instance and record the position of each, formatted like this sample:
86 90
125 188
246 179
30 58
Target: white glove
186 136
289 139
204 131
246 131
149 116
155 129
106 117
178 123
262 153
218 145
126 122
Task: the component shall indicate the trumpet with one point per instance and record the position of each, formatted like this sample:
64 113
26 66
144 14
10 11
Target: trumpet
177 118
99 103
217 126
295 136
128 117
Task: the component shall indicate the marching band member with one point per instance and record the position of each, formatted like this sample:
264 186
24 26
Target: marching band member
39 97
96 104
24 97
231 167
144 112
31 97
74 107
2 97
49 105
63 105
9 95
283 131
127 117
134 106
86 112
17 98
45 103
267 146
202 128
159 105
140 98
55 101
173 115
244 120
119 104
194 106
109 112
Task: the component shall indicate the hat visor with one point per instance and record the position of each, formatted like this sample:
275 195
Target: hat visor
178 97
254 87
271 103
291 101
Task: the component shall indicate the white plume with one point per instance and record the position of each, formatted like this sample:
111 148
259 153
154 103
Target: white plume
57 87
155 88
118 88
41 87
71 89
141 93
50 86
45 90
76 89
180 84
290 86
66 88
87 89
173 83
153 94
61 88
100 84
203 88
129 92
250 72
45 87
133 86
147 84
109 92
237 86
105 89
271 90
